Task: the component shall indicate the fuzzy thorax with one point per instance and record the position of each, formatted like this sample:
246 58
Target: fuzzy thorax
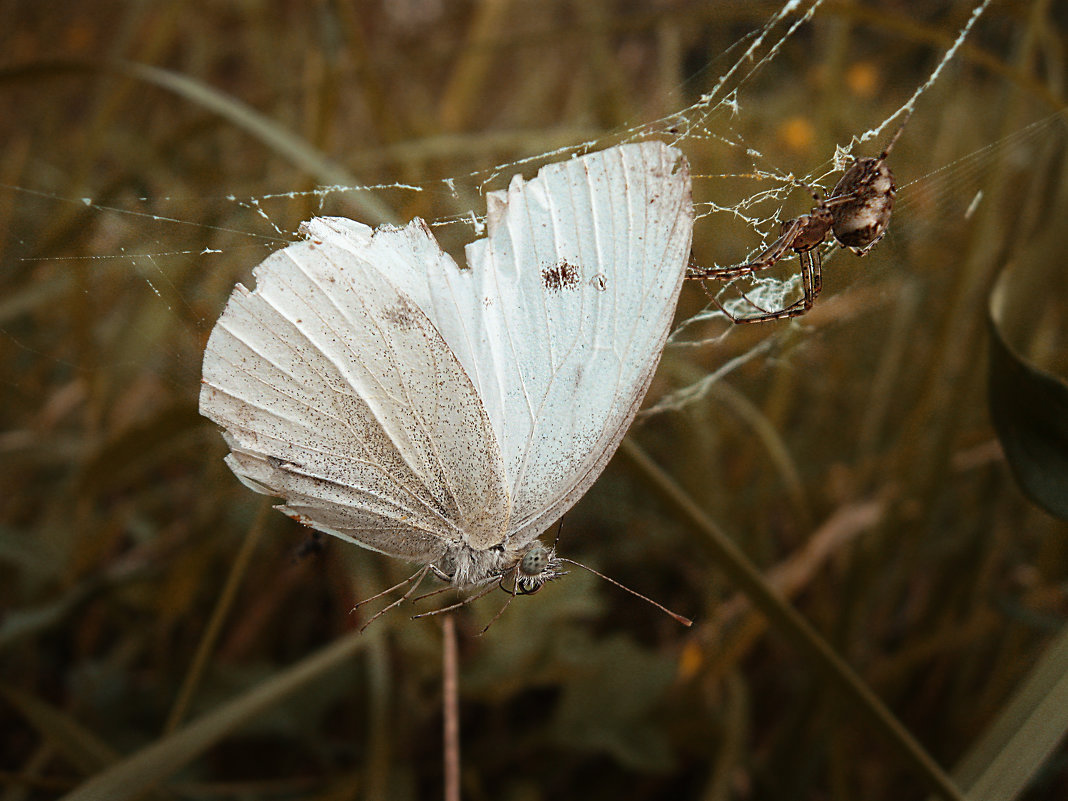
527 568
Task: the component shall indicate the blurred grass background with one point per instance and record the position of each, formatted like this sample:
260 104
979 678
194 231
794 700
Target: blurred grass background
852 458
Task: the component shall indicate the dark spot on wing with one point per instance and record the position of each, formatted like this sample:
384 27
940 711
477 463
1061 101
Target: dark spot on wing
560 276
403 314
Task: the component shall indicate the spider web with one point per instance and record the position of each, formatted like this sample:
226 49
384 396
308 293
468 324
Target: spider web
173 245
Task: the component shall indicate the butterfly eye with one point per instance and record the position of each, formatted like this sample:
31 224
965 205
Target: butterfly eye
534 561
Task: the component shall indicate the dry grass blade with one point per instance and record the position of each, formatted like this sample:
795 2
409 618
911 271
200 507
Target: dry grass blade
788 622
79 746
287 144
155 763
1003 762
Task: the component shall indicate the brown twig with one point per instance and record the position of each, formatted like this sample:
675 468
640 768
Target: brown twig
451 705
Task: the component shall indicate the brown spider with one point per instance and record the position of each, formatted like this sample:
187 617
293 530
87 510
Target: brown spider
856 213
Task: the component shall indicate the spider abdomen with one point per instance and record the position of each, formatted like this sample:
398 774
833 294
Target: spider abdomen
856 212
861 221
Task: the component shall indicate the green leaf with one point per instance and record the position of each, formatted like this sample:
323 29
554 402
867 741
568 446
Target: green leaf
610 704
1028 405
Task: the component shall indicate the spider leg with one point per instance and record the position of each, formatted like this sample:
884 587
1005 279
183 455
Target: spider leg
815 257
840 200
728 273
811 262
727 312
805 259
811 283
895 137
770 256
814 192
793 310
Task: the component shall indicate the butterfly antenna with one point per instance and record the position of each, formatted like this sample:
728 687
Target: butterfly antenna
416 579
683 620
559 528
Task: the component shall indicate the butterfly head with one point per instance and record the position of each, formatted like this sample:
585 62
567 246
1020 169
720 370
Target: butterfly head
535 567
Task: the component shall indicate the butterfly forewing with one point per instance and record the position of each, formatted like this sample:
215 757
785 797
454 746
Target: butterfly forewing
341 397
564 311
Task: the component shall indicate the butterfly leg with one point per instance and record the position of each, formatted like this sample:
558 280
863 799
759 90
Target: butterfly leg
415 580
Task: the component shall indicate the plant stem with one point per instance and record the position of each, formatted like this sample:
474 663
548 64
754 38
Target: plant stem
788 621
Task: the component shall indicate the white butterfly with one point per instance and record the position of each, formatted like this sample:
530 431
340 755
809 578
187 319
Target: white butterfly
448 416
